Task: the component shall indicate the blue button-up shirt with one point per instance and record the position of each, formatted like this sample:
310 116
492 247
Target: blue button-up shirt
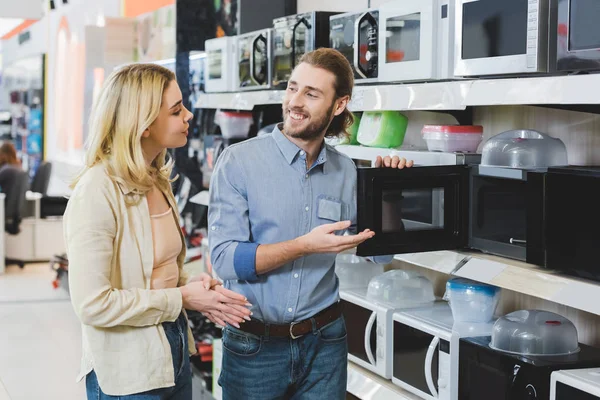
262 193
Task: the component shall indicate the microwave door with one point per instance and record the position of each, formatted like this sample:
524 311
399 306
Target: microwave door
362 341
415 362
366 31
282 55
406 41
301 35
413 210
259 60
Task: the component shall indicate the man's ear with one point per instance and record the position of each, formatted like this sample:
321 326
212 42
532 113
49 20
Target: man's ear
342 102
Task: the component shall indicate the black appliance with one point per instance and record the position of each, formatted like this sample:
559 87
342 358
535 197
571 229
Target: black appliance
488 374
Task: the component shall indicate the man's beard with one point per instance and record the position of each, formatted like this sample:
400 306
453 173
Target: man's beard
314 129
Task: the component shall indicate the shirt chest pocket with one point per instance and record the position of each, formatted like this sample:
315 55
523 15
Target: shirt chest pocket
330 210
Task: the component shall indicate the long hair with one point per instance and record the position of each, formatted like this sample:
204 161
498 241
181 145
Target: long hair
8 154
127 105
333 61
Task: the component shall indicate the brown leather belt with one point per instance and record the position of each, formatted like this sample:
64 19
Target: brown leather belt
295 329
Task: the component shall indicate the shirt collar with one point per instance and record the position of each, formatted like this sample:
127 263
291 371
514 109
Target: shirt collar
290 150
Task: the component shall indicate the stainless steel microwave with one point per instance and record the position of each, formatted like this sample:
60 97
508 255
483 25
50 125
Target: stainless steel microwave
355 35
505 37
293 36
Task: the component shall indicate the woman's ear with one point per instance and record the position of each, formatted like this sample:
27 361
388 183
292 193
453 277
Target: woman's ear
146 133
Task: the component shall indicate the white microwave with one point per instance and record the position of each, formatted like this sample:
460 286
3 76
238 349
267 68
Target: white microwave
371 339
416 40
255 66
426 354
221 72
505 37
575 384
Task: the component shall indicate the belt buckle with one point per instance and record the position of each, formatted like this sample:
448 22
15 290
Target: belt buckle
292 331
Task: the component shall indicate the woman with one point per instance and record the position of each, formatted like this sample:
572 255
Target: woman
126 249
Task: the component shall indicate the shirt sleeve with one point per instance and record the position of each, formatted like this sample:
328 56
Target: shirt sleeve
232 251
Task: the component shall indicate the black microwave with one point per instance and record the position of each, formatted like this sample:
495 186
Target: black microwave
485 373
494 210
578 35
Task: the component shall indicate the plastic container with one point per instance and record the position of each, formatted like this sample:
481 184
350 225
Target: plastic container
355 272
471 301
523 149
353 129
453 138
234 125
384 129
401 289
535 333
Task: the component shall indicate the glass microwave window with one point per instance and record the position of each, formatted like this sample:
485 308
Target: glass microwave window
412 210
584 31
215 59
403 38
260 61
493 28
500 210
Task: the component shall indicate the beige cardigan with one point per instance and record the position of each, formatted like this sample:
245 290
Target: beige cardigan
110 251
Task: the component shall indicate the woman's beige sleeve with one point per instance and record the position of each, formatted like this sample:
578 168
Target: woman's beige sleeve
90 227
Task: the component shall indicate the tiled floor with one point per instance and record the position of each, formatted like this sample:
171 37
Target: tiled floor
40 339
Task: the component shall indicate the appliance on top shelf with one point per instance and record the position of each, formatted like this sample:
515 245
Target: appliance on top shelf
254 60
517 360
575 384
221 71
495 207
578 44
505 37
426 351
416 40
355 35
293 36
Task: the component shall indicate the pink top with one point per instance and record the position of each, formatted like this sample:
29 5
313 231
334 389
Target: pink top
167 246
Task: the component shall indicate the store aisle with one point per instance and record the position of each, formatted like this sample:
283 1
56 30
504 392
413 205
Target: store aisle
40 339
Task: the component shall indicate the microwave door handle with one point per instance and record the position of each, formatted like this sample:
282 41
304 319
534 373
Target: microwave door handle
368 330
428 366
308 26
253 61
357 67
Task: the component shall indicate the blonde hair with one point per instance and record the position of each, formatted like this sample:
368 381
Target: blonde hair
127 105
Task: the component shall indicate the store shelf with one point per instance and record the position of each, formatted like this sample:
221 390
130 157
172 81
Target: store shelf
239 100
512 275
450 95
428 158
367 386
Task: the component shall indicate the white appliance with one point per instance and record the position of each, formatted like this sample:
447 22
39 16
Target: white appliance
425 354
371 338
505 37
221 72
575 384
416 40
254 58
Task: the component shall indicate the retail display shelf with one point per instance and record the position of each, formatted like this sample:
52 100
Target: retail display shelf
446 95
512 275
367 386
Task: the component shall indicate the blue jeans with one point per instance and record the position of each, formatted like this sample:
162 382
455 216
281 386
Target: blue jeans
177 335
313 366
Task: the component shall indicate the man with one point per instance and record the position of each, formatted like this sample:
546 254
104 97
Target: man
279 206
